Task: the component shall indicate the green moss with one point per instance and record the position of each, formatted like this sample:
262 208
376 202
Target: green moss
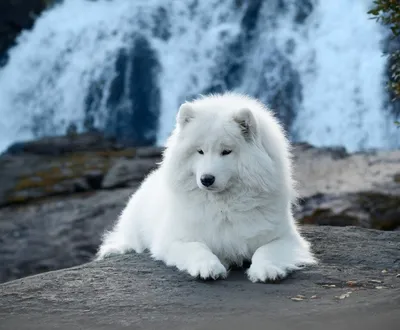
61 170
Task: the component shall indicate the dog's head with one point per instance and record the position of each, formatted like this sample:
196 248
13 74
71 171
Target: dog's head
213 145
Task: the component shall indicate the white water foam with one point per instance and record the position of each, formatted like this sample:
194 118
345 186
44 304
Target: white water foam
338 55
342 69
49 72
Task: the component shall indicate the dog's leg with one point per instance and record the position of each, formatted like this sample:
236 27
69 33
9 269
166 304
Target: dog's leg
125 236
276 259
193 257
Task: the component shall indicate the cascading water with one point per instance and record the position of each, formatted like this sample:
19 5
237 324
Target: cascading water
124 67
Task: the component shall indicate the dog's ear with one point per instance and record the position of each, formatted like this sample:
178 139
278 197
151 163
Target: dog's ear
247 123
185 114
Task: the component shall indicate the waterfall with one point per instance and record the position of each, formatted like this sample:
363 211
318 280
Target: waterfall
125 66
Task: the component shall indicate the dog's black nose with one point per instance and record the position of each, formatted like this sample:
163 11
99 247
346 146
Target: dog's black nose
207 180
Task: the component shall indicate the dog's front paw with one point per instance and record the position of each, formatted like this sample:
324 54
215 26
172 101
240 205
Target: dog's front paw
210 268
263 272
109 250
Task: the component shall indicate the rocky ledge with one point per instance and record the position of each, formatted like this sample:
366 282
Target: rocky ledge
58 195
355 286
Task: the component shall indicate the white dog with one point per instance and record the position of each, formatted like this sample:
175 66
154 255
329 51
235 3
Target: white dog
222 195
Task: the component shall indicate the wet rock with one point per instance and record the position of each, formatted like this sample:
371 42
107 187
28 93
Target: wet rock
54 167
135 107
151 152
70 164
59 145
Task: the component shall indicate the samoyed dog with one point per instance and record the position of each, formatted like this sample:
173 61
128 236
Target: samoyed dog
222 194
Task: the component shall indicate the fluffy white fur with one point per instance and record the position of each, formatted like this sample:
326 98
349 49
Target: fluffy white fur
244 215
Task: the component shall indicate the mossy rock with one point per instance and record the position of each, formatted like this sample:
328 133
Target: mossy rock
54 175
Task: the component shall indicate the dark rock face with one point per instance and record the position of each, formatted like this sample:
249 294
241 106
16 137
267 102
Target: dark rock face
57 234
70 164
355 286
59 145
15 16
133 99
135 96
365 209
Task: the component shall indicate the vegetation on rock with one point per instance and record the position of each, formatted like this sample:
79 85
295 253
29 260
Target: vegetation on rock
388 13
75 172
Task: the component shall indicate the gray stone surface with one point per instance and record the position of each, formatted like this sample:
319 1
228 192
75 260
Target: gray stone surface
26 178
134 292
126 172
57 233
58 145
341 189
332 171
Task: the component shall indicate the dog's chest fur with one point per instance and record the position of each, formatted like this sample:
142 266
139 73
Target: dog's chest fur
233 231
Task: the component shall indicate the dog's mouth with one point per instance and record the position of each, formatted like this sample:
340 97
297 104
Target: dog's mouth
213 190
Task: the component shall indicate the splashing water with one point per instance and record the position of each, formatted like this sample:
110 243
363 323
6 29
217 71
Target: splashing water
127 65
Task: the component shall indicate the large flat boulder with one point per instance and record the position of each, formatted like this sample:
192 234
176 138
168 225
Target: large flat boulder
355 286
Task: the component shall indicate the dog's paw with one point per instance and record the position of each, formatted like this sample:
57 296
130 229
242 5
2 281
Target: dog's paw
106 251
207 269
263 272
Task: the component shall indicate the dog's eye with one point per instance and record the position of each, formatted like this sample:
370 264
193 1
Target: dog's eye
226 152
201 152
